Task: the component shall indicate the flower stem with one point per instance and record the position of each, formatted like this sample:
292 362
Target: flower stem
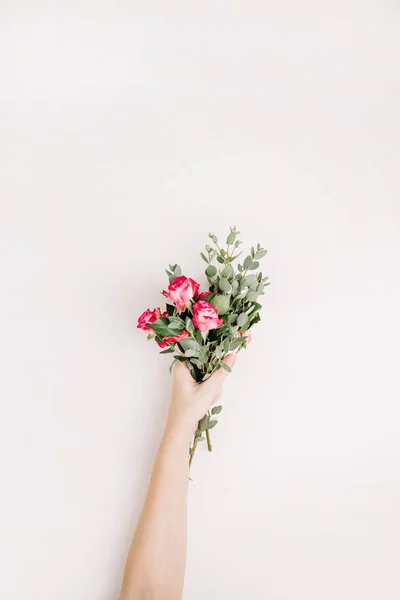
209 446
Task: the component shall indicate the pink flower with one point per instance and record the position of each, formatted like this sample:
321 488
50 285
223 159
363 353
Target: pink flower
162 344
205 316
149 316
204 294
181 290
174 339
177 338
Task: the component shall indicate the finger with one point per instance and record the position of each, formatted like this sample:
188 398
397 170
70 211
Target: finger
215 381
181 373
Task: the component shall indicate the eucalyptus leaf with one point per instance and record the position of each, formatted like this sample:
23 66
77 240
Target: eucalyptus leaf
195 361
225 366
206 376
235 344
260 254
242 319
203 422
232 318
252 296
203 256
220 260
247 262
191 352
224 285
212 423
254 265
211 271
227 272
189 343
231 238
201 438
249 280
177 271
216 410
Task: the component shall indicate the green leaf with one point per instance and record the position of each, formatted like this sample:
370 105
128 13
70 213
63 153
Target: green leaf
224 285
177 271
197 433
228 272
249 280
232 318
254 308
191 451
167 351
260 254
162 328
221 303
203 422
220 260
254 265
203 256
218 351
235 344
189 344
252 296
236 256
201 438
212 423
206 376
189 325
211 271
191 352
231 238
176 325
225 366
216 410
242 319
247 262
195 361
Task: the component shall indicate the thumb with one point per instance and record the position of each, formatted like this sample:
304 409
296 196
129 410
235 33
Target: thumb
216 380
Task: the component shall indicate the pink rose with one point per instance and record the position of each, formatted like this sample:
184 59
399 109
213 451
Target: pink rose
205 316
177 338
174 339
162 344
149 316
204 294
181 290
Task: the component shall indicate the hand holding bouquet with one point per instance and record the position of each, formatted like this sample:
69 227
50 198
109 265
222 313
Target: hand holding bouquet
201 328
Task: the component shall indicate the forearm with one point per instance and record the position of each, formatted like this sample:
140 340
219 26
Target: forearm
156 561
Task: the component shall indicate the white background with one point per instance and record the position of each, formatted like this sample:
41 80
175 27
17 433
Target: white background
129 130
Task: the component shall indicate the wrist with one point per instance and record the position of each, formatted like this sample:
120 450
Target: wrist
179 431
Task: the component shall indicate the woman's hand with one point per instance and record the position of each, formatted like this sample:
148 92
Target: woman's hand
190 400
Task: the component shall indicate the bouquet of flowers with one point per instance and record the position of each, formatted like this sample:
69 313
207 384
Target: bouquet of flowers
200 328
